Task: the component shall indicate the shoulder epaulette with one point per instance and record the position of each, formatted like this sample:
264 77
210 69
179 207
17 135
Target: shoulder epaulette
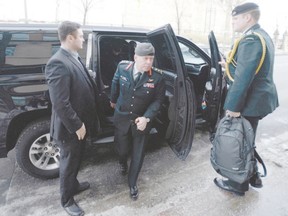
157 70
251 37
126 62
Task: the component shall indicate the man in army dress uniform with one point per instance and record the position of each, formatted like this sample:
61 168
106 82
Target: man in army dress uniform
252 92
137 93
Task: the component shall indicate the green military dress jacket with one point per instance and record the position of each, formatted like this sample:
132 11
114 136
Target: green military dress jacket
143 98
252 94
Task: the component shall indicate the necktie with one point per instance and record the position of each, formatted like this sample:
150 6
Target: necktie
87 75
80 61
85 69
138 77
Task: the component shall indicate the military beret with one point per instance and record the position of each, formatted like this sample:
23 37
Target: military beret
144 49
243 8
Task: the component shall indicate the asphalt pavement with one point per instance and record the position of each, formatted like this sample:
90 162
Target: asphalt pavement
168 186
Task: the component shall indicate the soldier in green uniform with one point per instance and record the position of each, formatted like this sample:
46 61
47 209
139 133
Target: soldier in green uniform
137 92
249 68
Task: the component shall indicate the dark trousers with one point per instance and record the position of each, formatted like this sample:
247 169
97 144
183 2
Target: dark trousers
245 186
132 141
71 152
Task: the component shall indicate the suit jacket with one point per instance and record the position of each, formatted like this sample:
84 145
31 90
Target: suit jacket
252 95
134 100
72 93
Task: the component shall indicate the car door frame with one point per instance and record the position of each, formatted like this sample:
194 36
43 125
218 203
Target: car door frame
181 111
215 87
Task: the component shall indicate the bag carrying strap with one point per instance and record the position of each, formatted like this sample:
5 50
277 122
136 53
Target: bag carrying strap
231 60
259 159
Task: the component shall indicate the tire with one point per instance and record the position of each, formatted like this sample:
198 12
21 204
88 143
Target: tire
36 154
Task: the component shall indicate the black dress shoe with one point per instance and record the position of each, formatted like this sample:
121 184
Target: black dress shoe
255 180
134 192
82 187
224 184
123 168
73 209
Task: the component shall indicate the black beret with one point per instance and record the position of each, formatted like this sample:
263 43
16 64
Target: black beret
243 8
144 49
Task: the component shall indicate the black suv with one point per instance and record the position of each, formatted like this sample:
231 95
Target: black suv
194 87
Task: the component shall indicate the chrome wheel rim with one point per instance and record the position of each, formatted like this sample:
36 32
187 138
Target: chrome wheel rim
45 153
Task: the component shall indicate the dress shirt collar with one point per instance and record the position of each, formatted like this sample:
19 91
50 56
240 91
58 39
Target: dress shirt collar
74 54
251 29
135 71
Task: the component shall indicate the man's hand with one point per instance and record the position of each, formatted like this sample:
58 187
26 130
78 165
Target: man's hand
112 105
81 132
141 123
222 62
232 114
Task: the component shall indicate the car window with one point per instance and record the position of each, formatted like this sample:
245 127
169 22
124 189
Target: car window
28 47
113 49
164 55
190 56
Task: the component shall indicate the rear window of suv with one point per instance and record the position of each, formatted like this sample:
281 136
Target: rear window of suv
23 48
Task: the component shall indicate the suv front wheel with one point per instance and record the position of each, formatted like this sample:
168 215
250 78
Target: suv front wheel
36 153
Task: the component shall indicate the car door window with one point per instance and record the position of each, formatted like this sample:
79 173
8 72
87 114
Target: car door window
31 47
27 48
190 56
164 54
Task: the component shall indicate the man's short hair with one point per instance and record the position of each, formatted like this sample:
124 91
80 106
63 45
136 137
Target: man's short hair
66 28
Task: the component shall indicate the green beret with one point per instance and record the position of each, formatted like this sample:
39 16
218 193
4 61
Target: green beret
144 49
243 8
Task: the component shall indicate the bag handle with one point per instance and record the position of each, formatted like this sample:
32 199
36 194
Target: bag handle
257 156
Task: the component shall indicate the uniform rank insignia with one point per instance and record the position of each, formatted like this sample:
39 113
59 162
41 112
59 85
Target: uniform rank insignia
123 78
148 85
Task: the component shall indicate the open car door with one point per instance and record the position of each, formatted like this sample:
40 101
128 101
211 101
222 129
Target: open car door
214 86
179 90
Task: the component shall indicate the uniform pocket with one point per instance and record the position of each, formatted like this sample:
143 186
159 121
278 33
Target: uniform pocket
124 86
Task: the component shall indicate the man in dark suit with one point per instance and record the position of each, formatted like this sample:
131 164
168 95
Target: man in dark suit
252 92
137 93
72 93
